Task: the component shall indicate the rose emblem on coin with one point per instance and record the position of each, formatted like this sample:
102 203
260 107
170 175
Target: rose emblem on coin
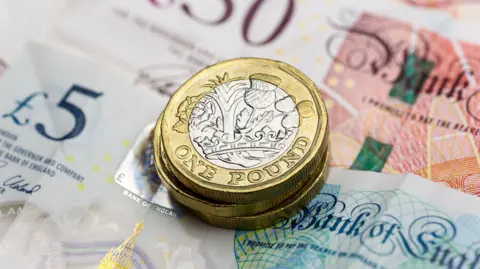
242 123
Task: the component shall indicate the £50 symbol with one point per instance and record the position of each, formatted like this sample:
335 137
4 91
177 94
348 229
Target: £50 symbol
227 9
64 104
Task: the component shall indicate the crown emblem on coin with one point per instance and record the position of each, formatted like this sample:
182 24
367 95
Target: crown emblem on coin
121 257
240 122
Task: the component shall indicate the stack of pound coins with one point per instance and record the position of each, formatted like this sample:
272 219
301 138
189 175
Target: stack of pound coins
243 144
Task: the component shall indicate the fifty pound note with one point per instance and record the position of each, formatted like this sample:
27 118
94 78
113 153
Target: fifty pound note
363 55
400 89
65 121
358 220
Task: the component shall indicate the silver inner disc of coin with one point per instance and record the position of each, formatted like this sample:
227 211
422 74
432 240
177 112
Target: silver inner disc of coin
243 124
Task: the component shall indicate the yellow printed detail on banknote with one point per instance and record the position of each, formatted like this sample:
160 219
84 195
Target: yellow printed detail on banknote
122 256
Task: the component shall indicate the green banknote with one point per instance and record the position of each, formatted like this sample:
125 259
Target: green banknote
358 220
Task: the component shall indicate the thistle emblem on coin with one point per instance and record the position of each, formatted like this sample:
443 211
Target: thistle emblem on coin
242 123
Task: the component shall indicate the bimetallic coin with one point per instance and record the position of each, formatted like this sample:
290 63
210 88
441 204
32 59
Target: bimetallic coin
283 211
245 130
193 201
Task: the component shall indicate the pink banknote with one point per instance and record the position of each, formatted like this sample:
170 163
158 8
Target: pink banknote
464 10
417 100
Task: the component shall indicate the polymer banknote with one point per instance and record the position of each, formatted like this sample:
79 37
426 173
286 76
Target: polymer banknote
399 81
21 21
65 120
179 38
359 220
462 10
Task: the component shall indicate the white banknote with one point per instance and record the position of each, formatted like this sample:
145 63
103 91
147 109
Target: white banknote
76 218
163 42
358 220
399 83
64 121
24 20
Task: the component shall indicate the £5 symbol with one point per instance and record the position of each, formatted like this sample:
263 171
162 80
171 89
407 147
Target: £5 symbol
64 104
120 177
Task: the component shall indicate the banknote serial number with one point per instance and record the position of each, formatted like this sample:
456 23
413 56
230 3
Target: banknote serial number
280 166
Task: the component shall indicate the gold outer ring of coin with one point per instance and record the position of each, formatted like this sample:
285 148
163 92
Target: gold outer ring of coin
191 200
283 211
193 169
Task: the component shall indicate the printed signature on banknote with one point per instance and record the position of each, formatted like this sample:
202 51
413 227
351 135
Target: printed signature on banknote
164 79
18 183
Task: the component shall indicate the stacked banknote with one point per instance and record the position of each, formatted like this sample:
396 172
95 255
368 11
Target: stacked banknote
399 83
243 143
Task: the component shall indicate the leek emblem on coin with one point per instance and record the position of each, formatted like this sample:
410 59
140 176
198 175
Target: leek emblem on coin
246 126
